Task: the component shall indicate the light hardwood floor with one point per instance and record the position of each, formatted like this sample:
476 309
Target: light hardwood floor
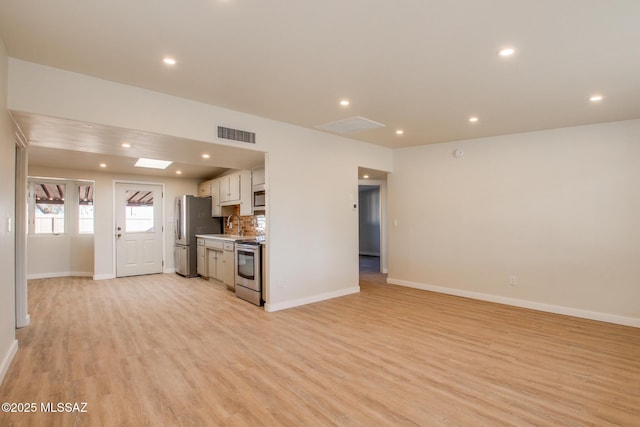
164 350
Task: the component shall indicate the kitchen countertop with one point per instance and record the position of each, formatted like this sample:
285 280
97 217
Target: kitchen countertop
231 237
227 237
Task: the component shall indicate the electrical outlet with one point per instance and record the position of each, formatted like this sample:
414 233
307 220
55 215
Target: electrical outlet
513 280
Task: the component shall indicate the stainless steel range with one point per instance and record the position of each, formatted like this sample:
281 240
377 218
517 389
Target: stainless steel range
248 266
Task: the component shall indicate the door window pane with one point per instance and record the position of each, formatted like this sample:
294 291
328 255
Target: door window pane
85 209
139 211
49 208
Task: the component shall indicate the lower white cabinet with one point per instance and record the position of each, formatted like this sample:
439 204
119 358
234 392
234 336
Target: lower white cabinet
212 264
227 268
201 262
216 260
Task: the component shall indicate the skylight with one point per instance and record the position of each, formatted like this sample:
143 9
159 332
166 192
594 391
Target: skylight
152 163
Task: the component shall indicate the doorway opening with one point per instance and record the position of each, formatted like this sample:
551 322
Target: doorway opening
369 228
372 230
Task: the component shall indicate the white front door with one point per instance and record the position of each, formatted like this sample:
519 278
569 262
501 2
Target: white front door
138 231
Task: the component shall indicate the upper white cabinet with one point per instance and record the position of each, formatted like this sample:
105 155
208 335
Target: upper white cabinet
245 193
234 189
204 189
230 188
216 209
257 176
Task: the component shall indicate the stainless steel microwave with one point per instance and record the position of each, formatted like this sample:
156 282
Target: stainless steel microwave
259 199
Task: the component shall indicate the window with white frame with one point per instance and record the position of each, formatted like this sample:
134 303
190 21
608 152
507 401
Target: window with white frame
85 208
60 206
48 214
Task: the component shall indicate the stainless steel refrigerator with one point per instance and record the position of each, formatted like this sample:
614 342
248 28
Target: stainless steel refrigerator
192 216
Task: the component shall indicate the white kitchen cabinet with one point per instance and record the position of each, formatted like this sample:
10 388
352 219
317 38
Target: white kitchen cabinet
227 268
235 189
204 189
230 188
257 176
215 198
212 264
246 193
214 249
201 261
218 256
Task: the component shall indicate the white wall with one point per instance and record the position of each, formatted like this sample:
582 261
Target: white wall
312 176
101 263
59 256
558 209
8 343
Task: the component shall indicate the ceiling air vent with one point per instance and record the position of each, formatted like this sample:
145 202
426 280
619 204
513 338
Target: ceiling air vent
350 125
236 135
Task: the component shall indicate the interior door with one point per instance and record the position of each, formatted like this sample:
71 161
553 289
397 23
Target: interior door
138 230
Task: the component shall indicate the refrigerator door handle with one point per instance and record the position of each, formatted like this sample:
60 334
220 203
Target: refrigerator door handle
178 218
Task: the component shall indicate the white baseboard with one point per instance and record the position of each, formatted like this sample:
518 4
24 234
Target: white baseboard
169 270
59 274
549 308
24 322
309 300
6 360
103 276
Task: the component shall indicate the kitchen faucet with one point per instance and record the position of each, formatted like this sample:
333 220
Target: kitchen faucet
229 223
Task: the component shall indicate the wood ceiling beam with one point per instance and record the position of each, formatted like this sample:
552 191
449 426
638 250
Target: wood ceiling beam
44 189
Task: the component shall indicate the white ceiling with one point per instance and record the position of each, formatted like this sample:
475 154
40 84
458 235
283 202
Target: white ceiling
68 144
422 66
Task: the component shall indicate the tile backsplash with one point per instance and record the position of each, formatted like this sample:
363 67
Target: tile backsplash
251 225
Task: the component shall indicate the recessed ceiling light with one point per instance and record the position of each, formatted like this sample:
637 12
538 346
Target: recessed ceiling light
365 176
596 98
508 51
103 165
344 102
205 156
178 172
473 119
152 163
126 145
169 61
399 132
